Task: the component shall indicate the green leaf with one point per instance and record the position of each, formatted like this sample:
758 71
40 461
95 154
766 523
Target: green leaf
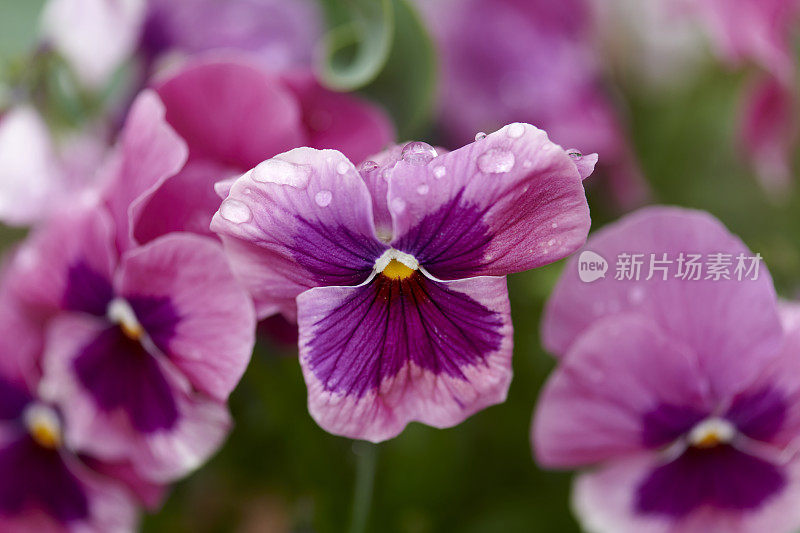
407 84
356 50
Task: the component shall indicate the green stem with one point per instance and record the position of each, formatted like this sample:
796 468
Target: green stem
366 459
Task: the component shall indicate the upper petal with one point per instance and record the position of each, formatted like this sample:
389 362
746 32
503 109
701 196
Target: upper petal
731 325
505 203
609 396
209 330
302 219
149 152
380 356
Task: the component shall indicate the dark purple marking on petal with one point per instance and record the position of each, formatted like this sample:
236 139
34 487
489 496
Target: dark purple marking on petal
34 477
120 374
13 400
335 255
87 290
759 415
371 335
721 477
158 316
667 423
449 242
156 35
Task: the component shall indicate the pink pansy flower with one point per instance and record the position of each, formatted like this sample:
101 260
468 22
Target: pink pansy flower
530 60
682 393
396 272
233 115
144 343
45 484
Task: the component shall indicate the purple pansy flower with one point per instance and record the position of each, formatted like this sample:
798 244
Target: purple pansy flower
45 485
683 393
145 343
530 60
396 272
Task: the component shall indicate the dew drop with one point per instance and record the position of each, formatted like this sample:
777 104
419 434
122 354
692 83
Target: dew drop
423 189
439 172
342 167
575 155
496 161
368 166
516 130
418 152
398 205
480 135
235 211
323 198
282 173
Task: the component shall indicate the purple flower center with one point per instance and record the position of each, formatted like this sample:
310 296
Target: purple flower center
714 467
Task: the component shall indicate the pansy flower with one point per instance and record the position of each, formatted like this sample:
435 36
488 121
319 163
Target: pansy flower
144 343
680 390
396 272
45 485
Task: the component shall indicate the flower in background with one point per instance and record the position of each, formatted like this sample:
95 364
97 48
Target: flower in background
683 394
37 171
45 485
530 60
95 36
233 114
397 273
144 344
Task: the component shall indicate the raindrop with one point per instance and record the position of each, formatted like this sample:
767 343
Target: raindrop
575 155
423 189
323 198
342 167
368 166
516 130
439 172
418 152
282 173
235 211
496 161
398 205
480 135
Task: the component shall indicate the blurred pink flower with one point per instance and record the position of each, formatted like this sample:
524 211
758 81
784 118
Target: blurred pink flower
396 271
681 394
233 114
531 61
144 344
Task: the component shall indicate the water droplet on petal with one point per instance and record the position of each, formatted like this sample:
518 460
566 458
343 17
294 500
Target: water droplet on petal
439 172
527 164
495 161
323 198
480 135
575 155
282 173
516 130
423 189
368 166
418 152
342 167
235 211
398 205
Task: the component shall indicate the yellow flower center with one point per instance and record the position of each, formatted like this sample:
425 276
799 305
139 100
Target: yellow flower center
121 313
43 426
712 432
397 270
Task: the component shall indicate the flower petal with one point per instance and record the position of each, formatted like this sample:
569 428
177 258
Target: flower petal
208 330
380 356
149 152
159 456
302 219
732 326
506 203
623 386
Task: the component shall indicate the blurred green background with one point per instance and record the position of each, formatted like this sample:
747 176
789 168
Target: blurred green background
280 472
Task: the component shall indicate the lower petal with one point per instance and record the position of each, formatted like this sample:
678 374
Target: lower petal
380 356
